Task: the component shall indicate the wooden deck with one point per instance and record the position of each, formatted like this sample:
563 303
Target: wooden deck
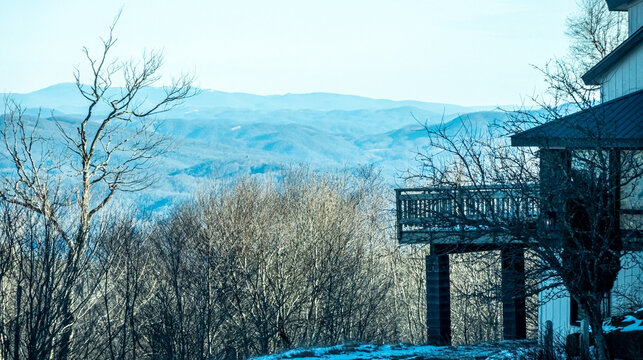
469 218
463 215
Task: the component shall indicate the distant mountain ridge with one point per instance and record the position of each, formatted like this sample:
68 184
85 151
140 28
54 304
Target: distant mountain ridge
219 135
66 96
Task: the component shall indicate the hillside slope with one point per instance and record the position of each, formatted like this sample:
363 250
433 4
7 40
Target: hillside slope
218 135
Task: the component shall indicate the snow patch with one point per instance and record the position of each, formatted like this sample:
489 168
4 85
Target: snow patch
628 322
503 350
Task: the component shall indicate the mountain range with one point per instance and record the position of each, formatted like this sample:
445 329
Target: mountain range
220 135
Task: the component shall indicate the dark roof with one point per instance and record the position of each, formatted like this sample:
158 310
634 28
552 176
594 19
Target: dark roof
593 76
620 5
613 124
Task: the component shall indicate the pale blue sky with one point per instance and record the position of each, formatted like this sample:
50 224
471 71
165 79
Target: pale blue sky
468 52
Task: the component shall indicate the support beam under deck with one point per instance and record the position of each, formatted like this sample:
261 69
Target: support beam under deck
513 294
438 297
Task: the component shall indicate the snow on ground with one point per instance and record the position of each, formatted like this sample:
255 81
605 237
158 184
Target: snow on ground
626 323
504 350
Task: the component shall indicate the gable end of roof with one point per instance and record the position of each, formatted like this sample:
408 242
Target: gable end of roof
595 74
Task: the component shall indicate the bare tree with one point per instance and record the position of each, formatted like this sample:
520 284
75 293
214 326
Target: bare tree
258 266
595 32
584 252
68 178
579 194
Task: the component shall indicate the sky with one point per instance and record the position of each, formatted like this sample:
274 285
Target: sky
466 52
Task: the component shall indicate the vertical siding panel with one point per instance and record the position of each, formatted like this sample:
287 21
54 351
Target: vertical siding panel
627 75
625 71
639 65
613 81
542 315
624 79
631 75
620 70
558 309
614 85
636 58
618 83
607 88
635 15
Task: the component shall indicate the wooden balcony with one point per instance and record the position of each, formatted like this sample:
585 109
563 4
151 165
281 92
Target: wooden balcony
477 218
463 214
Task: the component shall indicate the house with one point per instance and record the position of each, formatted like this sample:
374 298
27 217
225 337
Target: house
460 219
616 127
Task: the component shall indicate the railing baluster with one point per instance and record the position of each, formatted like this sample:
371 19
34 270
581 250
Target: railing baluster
431 209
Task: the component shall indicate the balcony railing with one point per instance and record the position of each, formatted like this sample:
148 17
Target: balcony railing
446 211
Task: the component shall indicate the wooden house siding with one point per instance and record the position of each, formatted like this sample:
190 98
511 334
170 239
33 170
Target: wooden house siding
555 306
635 15
625 78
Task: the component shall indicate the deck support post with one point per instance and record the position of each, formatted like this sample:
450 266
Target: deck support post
513 293
438 298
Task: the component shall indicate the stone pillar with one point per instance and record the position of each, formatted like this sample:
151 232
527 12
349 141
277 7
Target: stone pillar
513 293
438 298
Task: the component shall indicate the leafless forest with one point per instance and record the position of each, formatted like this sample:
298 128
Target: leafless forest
243 269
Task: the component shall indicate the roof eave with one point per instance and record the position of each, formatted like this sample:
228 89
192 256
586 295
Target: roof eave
620 5
574 143
594 75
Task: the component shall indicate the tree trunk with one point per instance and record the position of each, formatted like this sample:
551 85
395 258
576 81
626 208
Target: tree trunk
72 269
596 322
67 334
75 253
600 344
16 345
